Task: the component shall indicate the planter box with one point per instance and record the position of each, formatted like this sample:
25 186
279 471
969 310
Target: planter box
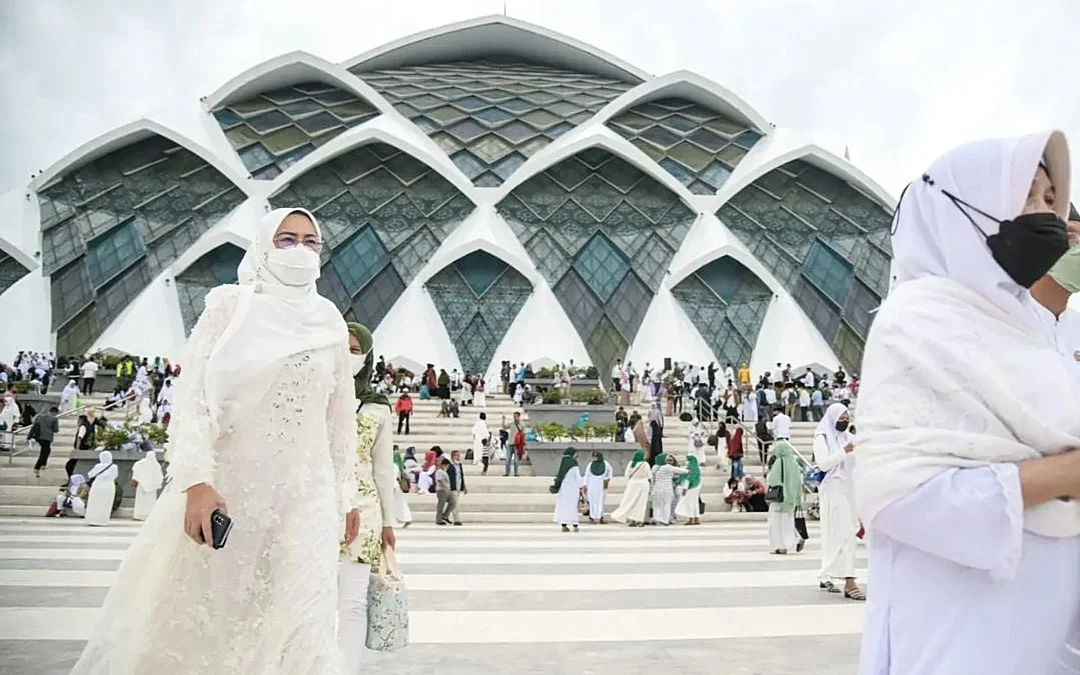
40 402
569 415
123 459
543 384
546 457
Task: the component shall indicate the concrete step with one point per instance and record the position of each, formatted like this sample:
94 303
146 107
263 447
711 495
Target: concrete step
536 502
31 510
527 517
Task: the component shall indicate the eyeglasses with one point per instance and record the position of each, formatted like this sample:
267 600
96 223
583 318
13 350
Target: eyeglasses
289 240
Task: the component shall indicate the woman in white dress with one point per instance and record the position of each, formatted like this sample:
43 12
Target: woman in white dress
102 490
967 479
695 442
425 480
597 478
480 433
567 490
663 488
635 499
412 467
69 397
480 395
785 474
265 428
688 506
834 454
376 478
147 476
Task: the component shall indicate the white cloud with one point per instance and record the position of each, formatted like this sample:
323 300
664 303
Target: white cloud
898 81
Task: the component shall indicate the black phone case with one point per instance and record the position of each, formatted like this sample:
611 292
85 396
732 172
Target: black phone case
220 526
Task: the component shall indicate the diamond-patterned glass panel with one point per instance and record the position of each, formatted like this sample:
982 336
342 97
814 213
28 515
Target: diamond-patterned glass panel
77 336
11 270
150 196
726 302
849 349
494 108
590 223
606 345
478 297
698 146
118 294
376 204
826 241
280 127
214 268
602 266
373 303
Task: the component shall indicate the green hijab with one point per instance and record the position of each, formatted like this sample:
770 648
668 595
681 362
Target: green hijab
598 465
660 460
568 462
399 462
695 472
364 393
785 471
639 457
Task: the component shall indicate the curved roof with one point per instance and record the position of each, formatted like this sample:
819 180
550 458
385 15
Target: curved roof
492 37
125 135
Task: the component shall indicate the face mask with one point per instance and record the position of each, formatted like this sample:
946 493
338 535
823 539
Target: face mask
842 425
1066 271
357 362
1027 246
296 266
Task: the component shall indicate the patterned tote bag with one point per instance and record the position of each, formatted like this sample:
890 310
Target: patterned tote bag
387 608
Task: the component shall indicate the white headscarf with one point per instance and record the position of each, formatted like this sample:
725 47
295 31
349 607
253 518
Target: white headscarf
147 471
76 482
272 322
934 238
827 427
105 460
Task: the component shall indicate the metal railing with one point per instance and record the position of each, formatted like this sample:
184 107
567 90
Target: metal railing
25 431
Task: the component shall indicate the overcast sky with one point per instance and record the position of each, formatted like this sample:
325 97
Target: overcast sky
899 81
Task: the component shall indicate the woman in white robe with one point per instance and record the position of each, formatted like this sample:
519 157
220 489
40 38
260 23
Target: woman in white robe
146 411
480 433
597 478
147 476
663 489
71 499
265 430
690 493
695 442
968 426
425 480
69 397
480 395
635 499
102 490
834 454
567 491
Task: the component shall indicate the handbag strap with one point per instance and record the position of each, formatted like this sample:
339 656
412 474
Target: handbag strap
388 564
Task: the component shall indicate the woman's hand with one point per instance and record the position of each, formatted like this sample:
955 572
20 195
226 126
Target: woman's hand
388 538
849 448
352 525
202 500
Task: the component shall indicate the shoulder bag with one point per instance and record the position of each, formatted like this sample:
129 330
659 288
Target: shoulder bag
775 493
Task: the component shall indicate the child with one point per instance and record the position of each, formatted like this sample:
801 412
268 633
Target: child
442 491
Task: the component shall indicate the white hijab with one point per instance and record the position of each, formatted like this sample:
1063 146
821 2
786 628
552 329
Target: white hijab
105 460
147 471
958 372
272 322
934 238
69 390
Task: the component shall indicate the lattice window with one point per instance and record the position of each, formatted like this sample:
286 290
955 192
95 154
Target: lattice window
373 303
358 260
829 272
11 270
108 256
602 266
71 293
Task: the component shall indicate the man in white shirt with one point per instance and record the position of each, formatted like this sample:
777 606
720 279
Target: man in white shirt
781 425
89 374
616 375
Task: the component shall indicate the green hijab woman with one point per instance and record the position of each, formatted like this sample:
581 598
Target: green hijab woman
785 472
364 393
569 461
639 457
598 466
694 477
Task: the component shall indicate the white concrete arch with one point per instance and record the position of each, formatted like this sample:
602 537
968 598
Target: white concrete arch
237 228
483 230
593 137
734 251
205 245
15 252
692 87
496 35
815 156
375 131
289 69
125 135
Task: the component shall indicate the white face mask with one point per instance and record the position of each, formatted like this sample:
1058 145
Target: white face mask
296 266
357 362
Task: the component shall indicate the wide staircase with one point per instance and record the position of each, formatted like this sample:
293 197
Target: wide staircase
493 498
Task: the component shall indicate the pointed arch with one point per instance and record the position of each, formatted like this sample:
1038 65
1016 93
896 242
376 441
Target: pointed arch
214 267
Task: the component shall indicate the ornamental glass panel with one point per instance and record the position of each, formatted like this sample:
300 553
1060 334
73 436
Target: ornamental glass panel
109 255
214 268
829 272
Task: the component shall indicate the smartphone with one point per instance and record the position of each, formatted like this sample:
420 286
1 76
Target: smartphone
220 527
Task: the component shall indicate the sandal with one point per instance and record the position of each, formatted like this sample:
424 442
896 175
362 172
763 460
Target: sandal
856 595
828 586
780 551
800 546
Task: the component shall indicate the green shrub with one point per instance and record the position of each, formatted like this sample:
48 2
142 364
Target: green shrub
589 397
545 374
551 431
21 386
552 397
604 431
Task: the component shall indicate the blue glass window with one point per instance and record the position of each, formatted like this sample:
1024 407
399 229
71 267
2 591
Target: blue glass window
359 259
480 270
829 272
602 266
114 252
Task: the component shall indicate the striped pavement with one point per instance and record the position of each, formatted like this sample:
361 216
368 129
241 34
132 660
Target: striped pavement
511 598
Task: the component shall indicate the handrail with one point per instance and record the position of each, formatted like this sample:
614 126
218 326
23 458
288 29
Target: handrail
67 413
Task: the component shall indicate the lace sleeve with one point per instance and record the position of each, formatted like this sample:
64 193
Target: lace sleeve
341 423
191 446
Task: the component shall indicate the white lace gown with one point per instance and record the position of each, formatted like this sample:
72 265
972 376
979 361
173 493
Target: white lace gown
265 604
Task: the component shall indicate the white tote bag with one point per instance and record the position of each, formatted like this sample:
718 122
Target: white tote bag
387 606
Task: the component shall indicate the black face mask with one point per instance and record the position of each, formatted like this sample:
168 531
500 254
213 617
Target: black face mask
842 425
1027 246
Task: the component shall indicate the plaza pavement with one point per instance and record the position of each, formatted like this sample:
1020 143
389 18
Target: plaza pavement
512 599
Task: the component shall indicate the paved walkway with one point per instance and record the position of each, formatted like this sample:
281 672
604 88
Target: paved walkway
513 599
